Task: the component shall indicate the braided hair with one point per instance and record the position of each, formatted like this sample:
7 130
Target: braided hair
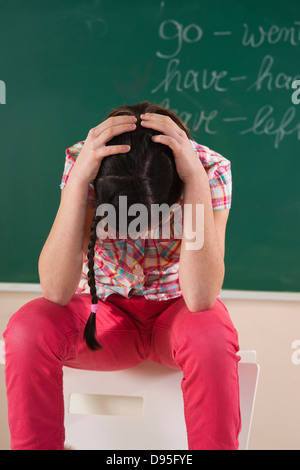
146 174
90 328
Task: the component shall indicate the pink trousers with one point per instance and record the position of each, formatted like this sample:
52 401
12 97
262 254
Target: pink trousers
42 336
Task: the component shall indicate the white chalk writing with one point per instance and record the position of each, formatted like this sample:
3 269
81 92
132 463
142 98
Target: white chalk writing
273 35
178 78
2 92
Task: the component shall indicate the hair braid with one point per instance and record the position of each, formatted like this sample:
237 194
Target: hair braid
90 328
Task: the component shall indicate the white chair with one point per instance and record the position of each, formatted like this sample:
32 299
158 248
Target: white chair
141 407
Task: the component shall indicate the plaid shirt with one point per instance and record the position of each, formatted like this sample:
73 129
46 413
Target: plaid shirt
147 266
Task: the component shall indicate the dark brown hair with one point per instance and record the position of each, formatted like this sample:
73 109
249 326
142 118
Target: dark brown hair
146 174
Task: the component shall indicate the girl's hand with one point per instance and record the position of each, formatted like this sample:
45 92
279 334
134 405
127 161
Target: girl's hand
94 149
186 160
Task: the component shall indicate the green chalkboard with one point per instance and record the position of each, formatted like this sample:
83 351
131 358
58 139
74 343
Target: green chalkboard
226 67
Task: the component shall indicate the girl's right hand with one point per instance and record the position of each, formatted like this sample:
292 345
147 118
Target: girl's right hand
94 149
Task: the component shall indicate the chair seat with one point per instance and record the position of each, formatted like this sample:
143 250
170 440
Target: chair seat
139 408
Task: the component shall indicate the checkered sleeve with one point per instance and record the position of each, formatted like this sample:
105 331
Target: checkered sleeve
71 154
218 170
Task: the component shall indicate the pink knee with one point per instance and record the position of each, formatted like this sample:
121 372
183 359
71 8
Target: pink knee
206 336
40 324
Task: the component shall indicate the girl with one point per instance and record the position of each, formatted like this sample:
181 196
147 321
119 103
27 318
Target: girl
155 299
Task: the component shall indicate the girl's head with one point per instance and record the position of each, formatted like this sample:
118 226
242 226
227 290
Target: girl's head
146 175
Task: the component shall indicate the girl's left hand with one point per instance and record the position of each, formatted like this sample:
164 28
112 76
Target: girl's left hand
186 159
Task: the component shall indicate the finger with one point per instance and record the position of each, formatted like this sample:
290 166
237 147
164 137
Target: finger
116 121
166 140
112 122
165 120
153 117
111 132
112 150
167 127
159 117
